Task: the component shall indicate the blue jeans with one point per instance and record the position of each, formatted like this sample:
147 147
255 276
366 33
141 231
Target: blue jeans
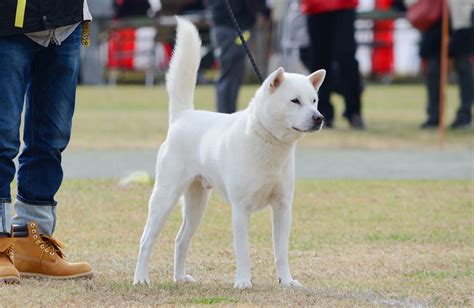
44 79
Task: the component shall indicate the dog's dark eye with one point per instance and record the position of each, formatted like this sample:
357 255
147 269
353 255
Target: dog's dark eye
296 101
314 100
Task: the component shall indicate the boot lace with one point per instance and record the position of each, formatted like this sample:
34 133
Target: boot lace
51 245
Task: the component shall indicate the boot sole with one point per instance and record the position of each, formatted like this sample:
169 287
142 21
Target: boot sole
88 275
10 280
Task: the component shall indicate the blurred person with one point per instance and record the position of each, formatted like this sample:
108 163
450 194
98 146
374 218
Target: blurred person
274 31
295 39
129 8
92 68
231 53
331 30
39 63
461 48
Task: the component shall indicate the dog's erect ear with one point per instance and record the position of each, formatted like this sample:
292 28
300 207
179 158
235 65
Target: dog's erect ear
317 78
276 78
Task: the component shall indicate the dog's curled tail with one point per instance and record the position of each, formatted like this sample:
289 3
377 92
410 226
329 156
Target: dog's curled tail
184 65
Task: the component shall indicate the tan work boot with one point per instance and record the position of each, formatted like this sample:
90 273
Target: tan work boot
39 255
8 273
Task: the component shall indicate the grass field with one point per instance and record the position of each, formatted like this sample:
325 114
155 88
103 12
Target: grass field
353 242
131 117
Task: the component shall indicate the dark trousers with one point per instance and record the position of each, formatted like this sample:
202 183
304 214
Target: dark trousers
45 79
232 65
92 69
463 68
332 41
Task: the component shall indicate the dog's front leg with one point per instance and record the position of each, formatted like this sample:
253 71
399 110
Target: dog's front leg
240 221
281 215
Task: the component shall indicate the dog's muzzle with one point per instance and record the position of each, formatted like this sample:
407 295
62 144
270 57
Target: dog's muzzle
318 121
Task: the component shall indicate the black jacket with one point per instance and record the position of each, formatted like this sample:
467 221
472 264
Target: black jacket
245 12
40 15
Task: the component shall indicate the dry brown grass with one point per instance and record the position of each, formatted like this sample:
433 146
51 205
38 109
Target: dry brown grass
353 243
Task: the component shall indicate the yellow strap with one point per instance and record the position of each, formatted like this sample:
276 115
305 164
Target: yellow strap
246 35
86 34
20 13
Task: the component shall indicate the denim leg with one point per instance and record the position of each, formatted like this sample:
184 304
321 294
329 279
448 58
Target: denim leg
50 101
465 80
44 216
5 217
16 56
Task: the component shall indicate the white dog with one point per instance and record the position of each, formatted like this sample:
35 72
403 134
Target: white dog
249 156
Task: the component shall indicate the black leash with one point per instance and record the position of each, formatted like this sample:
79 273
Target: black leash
242 39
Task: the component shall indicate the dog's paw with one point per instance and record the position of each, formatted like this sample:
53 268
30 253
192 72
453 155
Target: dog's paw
184 279
242 285
137 281
295 284
141 280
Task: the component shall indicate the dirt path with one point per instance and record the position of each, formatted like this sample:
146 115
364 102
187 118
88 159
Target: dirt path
310 164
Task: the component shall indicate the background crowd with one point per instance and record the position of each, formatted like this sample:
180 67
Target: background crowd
301 35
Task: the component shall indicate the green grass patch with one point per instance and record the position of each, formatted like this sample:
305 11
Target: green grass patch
211 300
136 117
375 237
440 274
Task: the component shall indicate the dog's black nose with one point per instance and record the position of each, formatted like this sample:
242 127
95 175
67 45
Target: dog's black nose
318 119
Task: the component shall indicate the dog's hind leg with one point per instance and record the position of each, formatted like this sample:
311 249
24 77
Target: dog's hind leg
163 198
195 201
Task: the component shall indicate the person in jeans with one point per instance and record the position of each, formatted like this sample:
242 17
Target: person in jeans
331 30
39 64
231 53
461 48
